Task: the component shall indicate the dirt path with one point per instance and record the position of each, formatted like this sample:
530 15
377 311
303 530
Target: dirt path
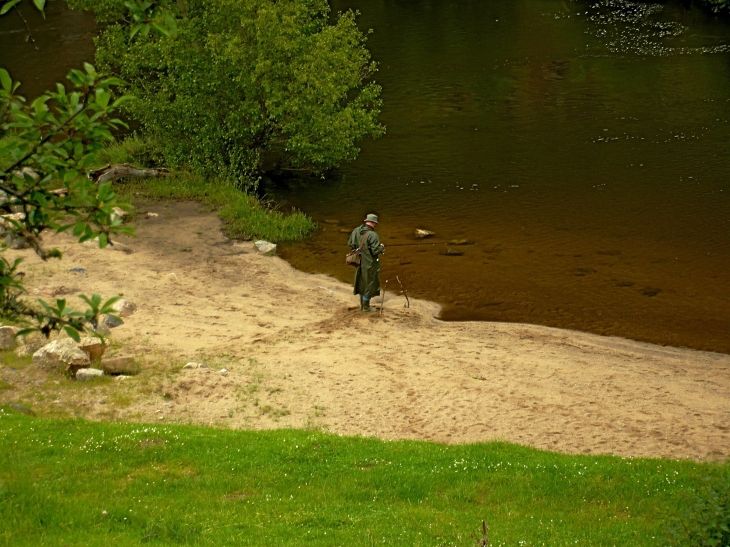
298 353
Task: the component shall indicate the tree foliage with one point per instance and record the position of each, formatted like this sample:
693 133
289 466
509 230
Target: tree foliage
241 87
45 149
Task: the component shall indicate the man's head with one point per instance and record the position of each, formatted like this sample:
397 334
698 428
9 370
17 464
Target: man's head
371 220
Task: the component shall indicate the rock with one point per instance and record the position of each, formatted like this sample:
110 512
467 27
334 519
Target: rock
111 321
269 249
119 214
461 242
61 354
451 252
84 374
124 308
120 365
103 329
344 231
331 221
196 365
93 347
50 290
152 215
121 378
22 409
423 234
7 337
14 241
116 246
28 349
80 271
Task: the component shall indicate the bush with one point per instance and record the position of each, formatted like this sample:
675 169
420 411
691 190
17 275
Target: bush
706 519
236 88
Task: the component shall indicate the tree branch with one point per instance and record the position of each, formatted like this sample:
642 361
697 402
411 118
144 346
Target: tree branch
125 171
27 28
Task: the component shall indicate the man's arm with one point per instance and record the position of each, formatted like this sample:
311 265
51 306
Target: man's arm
374 244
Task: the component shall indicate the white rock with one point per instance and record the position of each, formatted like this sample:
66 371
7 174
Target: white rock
88 373
62 354
124 308
195 365
265 247
152 215
423 234
119 214
7 337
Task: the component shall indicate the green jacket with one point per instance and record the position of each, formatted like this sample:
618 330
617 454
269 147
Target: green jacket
367 276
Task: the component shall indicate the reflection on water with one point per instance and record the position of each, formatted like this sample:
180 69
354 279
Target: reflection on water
64 40
580 145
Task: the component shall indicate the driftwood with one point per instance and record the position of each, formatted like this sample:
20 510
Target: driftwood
124 171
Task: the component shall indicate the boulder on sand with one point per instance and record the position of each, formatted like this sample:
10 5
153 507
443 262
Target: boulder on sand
266 247
7 337
124 308
120 365
93 347
88 374
63 355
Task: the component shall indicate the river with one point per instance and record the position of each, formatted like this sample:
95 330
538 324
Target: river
580 149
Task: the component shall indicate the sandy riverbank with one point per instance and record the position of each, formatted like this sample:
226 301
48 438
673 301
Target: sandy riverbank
298 353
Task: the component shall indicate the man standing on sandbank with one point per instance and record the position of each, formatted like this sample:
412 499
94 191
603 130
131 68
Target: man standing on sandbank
367 276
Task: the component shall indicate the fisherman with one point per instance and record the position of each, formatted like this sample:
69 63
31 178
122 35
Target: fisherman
367 276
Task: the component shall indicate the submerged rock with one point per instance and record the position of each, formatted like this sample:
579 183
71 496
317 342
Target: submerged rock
461 242
451 252
423 234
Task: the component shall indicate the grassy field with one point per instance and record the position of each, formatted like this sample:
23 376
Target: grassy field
83 483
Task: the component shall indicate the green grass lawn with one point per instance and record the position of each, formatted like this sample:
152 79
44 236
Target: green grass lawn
66 482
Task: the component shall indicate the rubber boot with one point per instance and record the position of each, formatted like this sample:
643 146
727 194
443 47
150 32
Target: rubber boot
366 307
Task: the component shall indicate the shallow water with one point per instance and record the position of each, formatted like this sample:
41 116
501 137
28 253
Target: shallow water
581 146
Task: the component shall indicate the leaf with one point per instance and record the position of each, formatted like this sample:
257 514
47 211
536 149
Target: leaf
40 4
7 7
103 240
73 333
6 80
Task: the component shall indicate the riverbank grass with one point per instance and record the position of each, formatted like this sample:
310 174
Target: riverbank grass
244 216
65 482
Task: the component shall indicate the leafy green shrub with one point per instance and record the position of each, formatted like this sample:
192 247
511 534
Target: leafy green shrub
236 88
706 519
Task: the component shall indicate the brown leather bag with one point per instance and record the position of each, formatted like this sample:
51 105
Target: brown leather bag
353 258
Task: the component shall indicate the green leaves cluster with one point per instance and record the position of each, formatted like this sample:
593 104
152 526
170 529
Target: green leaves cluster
237 88
7 5
706 518
46 147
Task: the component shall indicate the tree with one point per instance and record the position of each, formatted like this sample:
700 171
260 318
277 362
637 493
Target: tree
45 149
241 87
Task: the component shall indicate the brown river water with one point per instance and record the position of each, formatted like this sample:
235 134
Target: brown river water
581 149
